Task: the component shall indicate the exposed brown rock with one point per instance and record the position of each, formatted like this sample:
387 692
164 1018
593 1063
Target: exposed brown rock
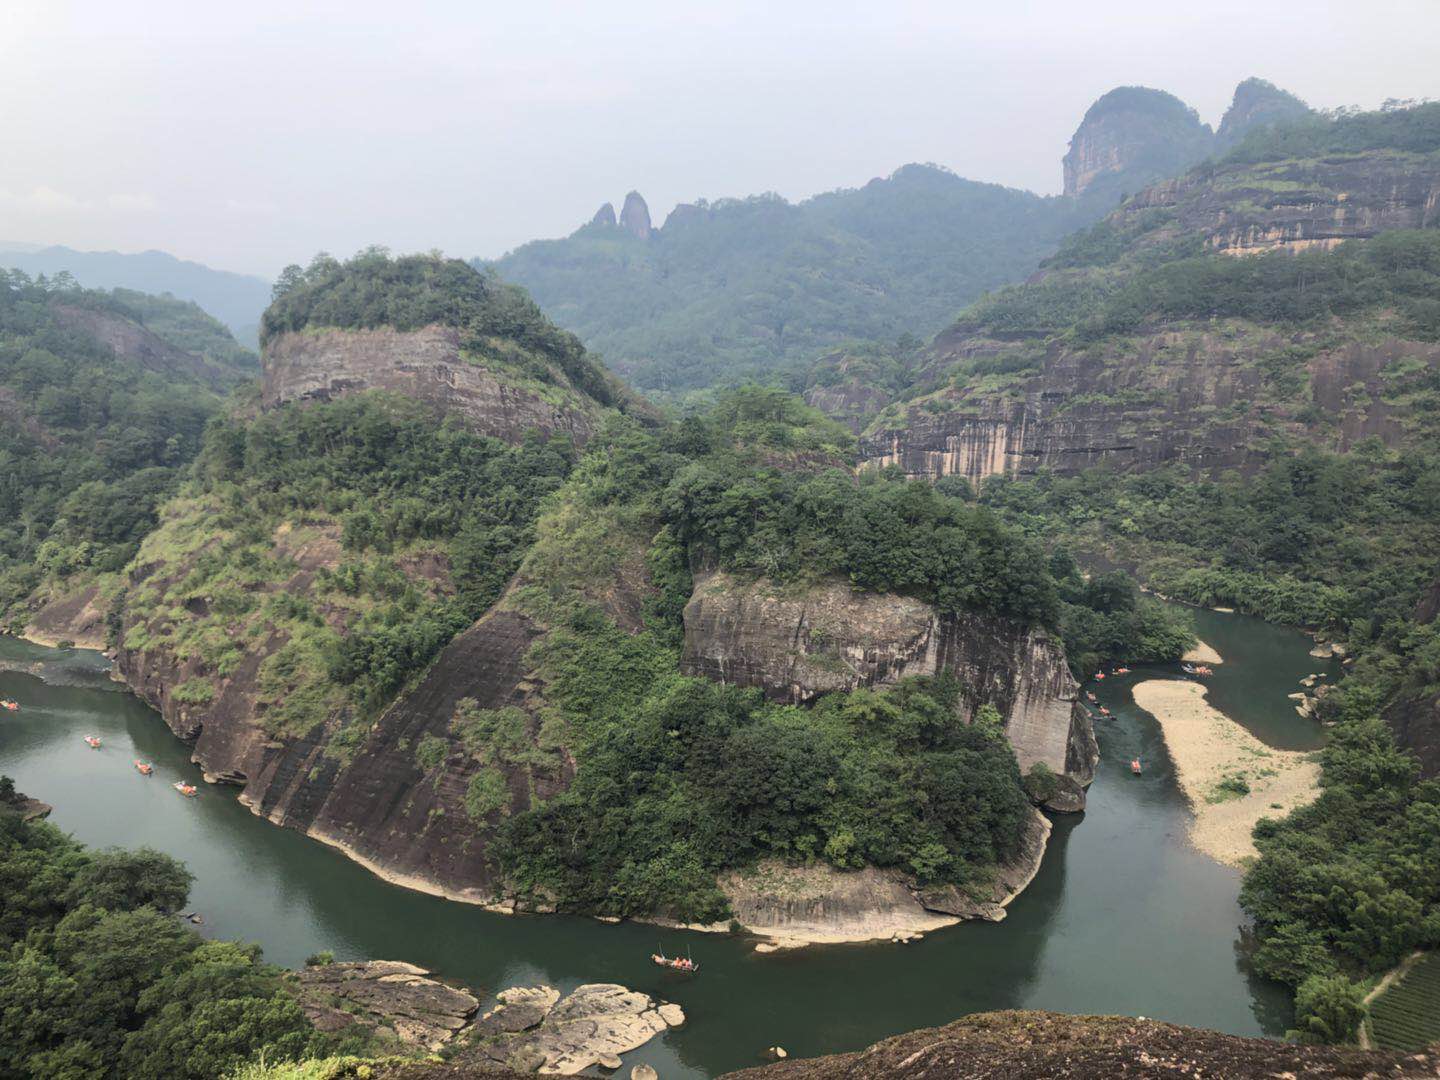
592 1025
385 996
1042 1046
799 643
1176 395
425 364
1132 136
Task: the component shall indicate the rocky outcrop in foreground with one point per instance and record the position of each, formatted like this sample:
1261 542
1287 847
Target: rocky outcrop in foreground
388 997
797 644
1040 1045
1027 1045
531 1028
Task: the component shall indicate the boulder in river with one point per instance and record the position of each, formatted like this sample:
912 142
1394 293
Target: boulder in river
388 997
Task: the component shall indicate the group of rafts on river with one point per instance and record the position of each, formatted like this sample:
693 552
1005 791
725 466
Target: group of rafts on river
1198 670
144 768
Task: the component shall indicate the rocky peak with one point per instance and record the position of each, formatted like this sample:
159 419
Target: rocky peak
635 215
1256 104
605 215
1131 136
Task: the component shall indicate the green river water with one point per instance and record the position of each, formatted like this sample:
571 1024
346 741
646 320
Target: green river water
1122 918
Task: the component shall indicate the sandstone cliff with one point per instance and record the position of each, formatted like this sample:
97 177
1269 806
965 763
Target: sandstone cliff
635 216
429 365
1239 208
1130 137
797 644
1203 396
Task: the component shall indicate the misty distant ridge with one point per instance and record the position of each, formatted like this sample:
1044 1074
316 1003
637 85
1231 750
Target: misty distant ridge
740 287
235 299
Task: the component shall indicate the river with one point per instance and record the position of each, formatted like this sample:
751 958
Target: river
1122 918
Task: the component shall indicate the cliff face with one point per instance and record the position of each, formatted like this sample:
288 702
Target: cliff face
381 805
1131 136
797 645
1205 397
428 365
635 216
1292 205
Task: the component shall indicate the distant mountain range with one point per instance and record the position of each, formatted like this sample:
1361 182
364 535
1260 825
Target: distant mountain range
741 288
237 300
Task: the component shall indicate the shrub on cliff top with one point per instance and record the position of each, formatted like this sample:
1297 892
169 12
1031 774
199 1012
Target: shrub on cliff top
373 290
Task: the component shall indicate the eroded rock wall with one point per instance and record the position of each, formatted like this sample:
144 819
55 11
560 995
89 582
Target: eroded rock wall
797 644
425 364
1208 397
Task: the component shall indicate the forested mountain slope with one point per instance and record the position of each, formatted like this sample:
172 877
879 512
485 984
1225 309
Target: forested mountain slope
747 287
103 398
235 299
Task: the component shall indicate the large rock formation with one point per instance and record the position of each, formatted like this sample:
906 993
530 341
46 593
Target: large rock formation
635 216
1035 1045
799 643
1206 397
1130 137
375 805
1257 104
386 997
604 216
429 365
1289 204
535 1030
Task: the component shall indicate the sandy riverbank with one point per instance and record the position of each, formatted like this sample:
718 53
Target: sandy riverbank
1209 748
1203 653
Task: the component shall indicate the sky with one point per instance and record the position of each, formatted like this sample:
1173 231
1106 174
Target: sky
248 136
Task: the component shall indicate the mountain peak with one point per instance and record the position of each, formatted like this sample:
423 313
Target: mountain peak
605 215
1257 104
635 215
1131 136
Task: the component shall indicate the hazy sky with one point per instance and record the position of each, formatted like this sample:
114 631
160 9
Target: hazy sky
249 135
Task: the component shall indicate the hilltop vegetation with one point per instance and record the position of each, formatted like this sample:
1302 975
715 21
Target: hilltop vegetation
372 290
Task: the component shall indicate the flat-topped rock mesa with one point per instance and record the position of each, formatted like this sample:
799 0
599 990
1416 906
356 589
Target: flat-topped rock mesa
1130 137
797 644
441 332
428 364
386 997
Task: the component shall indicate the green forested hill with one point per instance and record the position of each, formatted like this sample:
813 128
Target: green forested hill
741 287
99 411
